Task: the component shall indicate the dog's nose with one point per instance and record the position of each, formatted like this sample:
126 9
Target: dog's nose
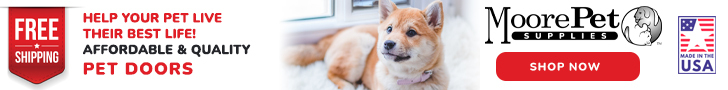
389 44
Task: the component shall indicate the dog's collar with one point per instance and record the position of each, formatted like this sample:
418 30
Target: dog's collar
407 81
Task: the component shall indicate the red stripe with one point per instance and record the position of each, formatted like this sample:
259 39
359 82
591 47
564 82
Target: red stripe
707 29
685 40
710 19
682 35
684 45
709 40
706 24
712 35
706 45
696 50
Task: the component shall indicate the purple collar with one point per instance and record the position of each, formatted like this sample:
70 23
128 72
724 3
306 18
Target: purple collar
407 81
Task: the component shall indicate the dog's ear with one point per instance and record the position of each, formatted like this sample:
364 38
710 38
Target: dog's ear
434 16
385 9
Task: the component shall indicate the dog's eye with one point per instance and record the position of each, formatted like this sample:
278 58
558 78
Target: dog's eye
389 29
411 33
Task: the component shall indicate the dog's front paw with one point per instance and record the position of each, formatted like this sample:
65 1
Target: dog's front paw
347 87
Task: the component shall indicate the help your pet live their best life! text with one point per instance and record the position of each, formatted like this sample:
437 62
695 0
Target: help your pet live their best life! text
146 68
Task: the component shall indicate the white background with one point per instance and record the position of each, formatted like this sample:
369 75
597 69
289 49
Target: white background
255 22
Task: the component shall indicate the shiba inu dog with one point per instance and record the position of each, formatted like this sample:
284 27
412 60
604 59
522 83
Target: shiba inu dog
403 52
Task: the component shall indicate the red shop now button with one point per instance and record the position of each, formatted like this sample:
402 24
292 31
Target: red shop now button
568 66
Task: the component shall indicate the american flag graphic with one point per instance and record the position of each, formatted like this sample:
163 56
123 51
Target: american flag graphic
697 33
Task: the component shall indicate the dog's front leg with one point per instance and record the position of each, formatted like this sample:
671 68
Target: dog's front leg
340 82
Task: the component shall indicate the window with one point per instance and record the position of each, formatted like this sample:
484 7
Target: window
314 15
358 5
311 20
359 10
310 9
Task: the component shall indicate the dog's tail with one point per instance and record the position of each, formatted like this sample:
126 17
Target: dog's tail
303 55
